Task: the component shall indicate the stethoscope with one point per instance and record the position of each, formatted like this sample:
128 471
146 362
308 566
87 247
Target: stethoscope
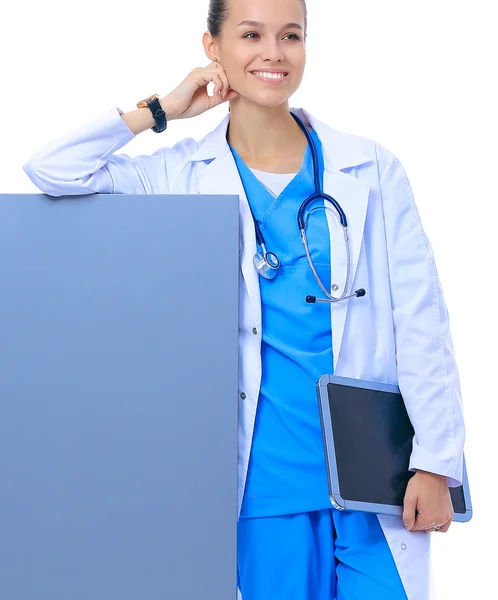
267 263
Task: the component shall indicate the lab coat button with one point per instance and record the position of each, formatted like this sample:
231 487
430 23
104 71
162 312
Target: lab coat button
403 546
243 396
254 330
335 287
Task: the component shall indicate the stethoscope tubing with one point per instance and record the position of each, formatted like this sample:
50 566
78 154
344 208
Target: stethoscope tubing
268 263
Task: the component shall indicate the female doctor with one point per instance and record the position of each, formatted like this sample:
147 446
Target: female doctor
292 545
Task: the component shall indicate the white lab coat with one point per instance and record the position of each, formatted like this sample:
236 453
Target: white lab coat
398 333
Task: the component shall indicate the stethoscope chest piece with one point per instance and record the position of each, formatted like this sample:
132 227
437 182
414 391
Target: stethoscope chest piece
267 264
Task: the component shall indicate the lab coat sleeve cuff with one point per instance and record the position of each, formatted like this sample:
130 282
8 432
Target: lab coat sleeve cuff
451 468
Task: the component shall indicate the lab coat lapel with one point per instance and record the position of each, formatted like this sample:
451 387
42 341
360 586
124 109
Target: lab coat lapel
220 176
352 194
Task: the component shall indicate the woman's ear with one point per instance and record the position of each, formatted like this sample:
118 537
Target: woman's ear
209 46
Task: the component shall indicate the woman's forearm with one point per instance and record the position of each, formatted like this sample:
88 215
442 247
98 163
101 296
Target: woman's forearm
141 119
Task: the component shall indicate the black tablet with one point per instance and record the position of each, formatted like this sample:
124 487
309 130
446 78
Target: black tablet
367 438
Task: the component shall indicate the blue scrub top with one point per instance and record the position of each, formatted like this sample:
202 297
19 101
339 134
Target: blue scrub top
287 466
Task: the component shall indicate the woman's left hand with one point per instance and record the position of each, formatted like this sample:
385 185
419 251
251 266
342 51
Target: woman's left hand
427 503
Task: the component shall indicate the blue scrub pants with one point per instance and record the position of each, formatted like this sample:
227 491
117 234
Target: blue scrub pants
320 555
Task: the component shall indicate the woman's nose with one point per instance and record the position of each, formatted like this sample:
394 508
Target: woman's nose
272 52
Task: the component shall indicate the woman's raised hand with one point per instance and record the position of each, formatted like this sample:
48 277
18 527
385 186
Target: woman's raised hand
191 98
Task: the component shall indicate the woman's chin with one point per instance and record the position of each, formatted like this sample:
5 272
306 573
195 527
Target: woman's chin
268 100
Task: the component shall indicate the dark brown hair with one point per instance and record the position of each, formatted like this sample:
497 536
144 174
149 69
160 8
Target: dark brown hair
218 14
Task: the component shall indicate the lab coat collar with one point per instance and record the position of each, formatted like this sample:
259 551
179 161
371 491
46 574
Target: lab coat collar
338 152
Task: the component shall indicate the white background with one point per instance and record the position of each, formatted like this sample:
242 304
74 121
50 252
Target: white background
418 77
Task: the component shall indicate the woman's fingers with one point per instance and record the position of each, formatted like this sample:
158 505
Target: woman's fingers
223 76
218 85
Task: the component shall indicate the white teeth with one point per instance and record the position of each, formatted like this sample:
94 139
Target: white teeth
270 75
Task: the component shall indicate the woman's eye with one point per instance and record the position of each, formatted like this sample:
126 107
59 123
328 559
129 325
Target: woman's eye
294 35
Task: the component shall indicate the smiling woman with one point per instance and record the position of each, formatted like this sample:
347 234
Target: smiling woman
291 543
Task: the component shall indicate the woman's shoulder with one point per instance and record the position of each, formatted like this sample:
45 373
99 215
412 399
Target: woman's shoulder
371 147
344 142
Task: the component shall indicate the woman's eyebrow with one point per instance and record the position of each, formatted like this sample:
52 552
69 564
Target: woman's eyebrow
259 24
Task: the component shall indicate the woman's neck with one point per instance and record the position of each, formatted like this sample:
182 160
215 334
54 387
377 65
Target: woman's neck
266 138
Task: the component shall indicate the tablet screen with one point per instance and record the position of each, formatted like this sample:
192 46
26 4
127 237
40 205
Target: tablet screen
373 443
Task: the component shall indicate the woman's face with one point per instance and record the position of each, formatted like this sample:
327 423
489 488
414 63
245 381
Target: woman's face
273 42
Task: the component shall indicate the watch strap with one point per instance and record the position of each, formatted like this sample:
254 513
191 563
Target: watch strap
158 114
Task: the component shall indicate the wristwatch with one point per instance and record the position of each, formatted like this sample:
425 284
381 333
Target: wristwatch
157 112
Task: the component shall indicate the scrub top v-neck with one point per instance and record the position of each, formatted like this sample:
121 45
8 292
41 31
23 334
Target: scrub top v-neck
287 467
